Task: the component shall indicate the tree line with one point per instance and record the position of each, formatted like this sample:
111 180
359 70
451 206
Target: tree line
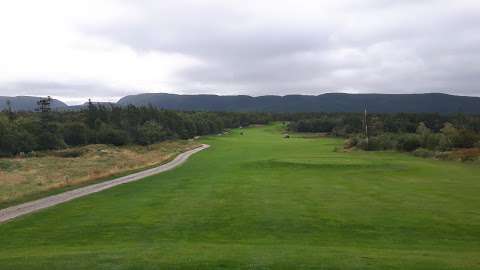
402 131
24 132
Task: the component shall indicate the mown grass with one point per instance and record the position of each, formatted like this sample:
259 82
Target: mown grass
258 201
27 178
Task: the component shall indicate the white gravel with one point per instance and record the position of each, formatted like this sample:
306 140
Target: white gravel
29 207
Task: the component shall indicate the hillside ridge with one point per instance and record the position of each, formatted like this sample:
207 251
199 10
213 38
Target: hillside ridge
328 102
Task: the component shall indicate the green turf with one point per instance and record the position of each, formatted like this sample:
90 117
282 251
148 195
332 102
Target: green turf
258 201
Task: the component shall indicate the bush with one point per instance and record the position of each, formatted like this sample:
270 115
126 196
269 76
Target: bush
443 155
468 158
444 143
362 144
75 134
14 138
69 153
150 132
387 141
465 139
408 142
314 125
424 153
350 143
382 142
109 135
432 141
48 140
17 141
374 144
91 136
26 142
8 165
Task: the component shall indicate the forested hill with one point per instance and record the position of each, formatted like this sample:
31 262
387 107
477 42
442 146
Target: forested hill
27 103
332 102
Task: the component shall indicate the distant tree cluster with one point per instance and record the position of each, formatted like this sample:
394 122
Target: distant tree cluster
23 132
403 132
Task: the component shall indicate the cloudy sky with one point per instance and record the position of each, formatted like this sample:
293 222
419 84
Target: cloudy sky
74 50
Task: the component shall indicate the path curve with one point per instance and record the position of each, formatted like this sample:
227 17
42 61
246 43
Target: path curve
29 207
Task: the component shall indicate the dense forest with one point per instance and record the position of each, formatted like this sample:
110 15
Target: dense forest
47 129
24 132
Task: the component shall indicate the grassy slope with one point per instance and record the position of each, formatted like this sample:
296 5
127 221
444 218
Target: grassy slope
258 201
25 179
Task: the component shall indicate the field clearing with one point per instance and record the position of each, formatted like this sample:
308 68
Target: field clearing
26 178
259 201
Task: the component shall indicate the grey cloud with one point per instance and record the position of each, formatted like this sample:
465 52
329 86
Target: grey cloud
427 45
73 90
270 47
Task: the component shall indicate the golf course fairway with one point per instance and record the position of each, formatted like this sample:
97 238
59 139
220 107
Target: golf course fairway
260 201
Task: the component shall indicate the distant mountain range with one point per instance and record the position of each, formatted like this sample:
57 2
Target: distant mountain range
27 103
331 102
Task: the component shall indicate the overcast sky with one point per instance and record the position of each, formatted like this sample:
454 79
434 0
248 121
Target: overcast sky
74 50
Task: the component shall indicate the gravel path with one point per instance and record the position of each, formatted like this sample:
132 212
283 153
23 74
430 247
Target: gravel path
29 207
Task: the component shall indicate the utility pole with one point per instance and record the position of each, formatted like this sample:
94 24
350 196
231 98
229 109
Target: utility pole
366 125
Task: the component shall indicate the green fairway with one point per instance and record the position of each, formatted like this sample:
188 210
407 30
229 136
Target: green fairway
259 201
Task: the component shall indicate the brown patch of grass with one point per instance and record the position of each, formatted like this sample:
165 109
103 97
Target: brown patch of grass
24 177
467 154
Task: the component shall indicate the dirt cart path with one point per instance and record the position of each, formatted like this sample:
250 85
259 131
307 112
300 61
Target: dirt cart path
29 207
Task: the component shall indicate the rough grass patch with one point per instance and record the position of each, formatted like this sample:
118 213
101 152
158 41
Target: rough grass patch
470 154
8 165
50 170
73 153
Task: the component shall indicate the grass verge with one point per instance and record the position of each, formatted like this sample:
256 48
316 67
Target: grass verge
26 179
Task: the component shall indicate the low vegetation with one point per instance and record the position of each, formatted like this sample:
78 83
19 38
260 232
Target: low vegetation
262 201
23 178
426 135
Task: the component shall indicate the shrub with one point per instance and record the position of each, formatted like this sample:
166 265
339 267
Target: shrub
374 144
109 135
465 139
26 142
468 158
432 141
424 153
408 142
471 154
443 155
8 165
387 141
49 140
150 132
75 134
16 141
350 143
69 153
362 144
444 143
